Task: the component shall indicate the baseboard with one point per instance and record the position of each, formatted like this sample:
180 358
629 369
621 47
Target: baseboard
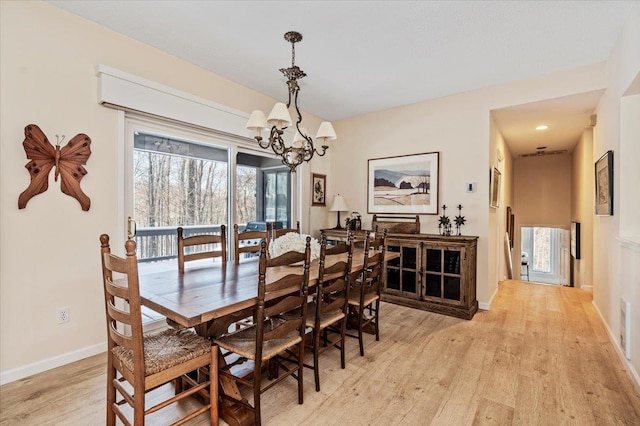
614 340
49 363
487 306
588 288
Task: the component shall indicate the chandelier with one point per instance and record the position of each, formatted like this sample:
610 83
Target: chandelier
301 148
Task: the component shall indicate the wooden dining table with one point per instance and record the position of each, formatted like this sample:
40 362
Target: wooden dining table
211 297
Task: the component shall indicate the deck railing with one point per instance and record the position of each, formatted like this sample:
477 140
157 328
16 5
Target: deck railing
160 242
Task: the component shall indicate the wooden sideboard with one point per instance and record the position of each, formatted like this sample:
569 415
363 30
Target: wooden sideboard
433 272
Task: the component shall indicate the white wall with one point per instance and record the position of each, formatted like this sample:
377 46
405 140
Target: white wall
458 127
609 285
582 199
542 195
50 250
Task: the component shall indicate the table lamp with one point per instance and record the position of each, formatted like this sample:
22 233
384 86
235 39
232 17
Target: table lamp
338 205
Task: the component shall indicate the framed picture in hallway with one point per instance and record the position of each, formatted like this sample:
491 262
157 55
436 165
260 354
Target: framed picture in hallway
604 185
575 240
495 183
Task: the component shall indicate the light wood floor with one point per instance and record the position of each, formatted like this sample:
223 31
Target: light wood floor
541 356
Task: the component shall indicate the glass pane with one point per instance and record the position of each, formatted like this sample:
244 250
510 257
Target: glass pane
396 261
246 194
542 249
409 281
270 197
433 260
176 183
432 285
452 288
409 257
393 278
452 262
282 198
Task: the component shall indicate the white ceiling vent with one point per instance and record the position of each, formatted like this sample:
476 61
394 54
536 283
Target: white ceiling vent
543 153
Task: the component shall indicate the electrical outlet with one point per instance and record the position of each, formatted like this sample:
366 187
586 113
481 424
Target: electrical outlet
63 315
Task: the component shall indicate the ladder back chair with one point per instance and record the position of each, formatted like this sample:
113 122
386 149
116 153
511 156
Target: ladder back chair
365 287
275 233
147 362
327 314
279 327
201 240
243 237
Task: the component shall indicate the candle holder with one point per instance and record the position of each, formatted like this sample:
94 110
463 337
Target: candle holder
459 220
444 225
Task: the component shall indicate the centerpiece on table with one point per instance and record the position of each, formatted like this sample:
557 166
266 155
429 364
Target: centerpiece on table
292 241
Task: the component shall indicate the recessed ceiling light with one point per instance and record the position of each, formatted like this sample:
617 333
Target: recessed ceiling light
542 127
541 147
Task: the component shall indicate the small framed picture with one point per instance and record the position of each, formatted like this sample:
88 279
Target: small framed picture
604 185
495 184
318 189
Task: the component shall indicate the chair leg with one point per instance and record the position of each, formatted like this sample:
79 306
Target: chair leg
111 397
360 327
377 319
257 370
316 349
300 369
213 386
343 341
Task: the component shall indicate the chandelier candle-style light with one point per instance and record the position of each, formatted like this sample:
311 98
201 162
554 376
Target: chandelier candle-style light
301 148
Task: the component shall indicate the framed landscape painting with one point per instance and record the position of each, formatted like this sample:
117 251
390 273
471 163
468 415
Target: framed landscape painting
404 184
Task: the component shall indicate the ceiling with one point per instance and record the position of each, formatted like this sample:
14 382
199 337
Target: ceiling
566 117
363 56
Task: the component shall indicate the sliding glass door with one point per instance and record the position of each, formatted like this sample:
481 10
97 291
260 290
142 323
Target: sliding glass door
179 176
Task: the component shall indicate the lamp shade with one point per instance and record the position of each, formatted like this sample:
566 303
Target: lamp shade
279 116
257 122
298 140
338 204
326 131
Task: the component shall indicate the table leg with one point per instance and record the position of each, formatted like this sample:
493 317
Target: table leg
233 414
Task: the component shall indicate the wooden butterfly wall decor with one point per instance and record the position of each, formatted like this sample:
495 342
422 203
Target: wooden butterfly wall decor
67 160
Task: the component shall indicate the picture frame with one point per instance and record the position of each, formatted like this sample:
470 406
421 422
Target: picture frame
405 184
604 185
575 240
512 219
318 189
495 181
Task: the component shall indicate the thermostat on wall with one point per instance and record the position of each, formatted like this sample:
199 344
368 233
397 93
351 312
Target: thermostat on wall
471 186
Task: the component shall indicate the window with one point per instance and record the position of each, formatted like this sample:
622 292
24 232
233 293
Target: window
276 197
186 177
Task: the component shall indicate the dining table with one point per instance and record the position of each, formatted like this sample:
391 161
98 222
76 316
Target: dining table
210 297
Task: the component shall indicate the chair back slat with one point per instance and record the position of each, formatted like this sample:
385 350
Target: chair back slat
292 282
201 240
276 233
287 304
335 285
281 330
286 259
239 237
120 339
